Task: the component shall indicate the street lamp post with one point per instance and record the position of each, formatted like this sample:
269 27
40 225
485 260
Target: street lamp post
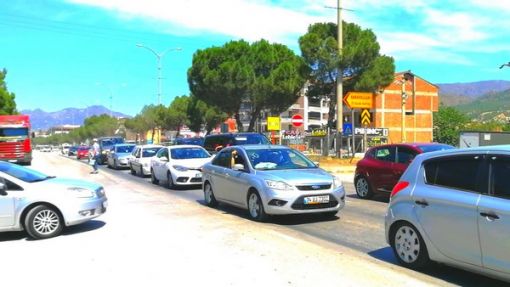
159 57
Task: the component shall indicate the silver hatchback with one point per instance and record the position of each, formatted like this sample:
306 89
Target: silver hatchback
268 179
454 207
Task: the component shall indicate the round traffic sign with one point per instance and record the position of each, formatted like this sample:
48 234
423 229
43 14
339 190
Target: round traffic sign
297 120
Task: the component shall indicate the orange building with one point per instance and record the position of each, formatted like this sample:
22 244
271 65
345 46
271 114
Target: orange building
421 100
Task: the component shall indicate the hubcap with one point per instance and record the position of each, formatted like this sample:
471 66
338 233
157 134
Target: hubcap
254 205
362 187
46 221
208 194
407 244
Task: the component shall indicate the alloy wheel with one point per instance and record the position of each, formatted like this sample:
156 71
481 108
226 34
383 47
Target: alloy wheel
46 222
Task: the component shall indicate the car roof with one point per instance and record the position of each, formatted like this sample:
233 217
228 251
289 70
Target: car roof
260 146
184 146
149 146
234 134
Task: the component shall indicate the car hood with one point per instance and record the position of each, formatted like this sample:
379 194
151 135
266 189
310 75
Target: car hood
298 176
63 183
192 162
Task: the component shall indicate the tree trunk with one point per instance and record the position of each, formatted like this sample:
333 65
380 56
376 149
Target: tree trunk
254 115
152 135
331 113
239 123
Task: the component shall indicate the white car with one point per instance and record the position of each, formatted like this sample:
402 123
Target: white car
43 205
140 160
179 165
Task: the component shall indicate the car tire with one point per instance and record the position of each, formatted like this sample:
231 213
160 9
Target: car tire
209 198
43 222
154 180
169 181
141 172
255 207
132 170
408 246
363 189
115 165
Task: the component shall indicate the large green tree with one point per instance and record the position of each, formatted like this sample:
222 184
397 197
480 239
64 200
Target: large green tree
177 114
448 123
149 118
361 66
202 115
7 103
264 75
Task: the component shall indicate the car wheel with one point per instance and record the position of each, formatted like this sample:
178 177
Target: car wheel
115 164
141 172
408 246
169 181
43 222
363 189
209 198
132 170
255 207
154 180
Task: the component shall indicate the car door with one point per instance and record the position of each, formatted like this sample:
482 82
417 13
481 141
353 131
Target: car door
446 205
236 181
7 204
494 216
380 171
404 156
219 176
135 160
159 164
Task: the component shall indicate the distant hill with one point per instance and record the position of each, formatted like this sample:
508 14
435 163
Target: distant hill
463 93
42 120
492 106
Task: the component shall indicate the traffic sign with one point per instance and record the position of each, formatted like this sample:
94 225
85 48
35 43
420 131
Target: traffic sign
297 120
365 117
357 100
273 123
347 130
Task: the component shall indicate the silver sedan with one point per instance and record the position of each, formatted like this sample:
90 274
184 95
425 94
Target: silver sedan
43 205
271 180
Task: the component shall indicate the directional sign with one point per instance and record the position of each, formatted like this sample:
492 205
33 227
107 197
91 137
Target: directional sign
297 120
356 100
365 117
347 129
273 123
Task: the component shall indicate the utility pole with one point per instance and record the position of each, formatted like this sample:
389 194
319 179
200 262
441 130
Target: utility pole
339 84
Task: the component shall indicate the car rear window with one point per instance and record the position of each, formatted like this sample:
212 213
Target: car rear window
150 152
250 139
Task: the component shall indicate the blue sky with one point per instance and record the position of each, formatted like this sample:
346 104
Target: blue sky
77 53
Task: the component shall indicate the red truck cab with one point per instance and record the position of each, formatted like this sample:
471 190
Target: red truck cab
15 139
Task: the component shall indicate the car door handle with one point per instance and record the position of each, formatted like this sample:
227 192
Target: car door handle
422 202
489 215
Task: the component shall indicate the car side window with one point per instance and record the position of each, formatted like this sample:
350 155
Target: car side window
405 155
223 159
385 154
162 153
499 175
11 185
454 172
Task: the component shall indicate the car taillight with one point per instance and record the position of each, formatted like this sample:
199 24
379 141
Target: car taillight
26 146
398 187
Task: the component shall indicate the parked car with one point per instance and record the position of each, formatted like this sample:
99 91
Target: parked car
64 148
269 179
43 205
72 150
105 145
214 143
453 207
382 166
82 152
179 165
189 141
140 160
45 148
119 155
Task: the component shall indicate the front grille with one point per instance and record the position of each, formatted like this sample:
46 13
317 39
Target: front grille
299 203
11 149
314 187
196 179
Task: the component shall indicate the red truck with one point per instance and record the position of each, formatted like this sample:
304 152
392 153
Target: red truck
15 139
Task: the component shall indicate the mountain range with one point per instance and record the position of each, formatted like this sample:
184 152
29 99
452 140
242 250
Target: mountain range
42 120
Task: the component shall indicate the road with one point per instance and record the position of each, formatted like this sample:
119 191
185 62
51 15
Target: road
359 226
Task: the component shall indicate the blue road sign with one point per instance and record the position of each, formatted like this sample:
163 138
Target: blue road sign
347 128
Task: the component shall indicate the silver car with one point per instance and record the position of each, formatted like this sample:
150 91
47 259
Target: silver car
119 156
42 205
271 180
454 207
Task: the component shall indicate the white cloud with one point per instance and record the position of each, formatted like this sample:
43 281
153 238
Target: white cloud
454 28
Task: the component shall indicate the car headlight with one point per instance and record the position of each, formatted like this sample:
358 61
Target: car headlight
279 185
336 182
180 168
82 192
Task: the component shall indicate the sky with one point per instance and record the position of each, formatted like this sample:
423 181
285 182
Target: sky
78 53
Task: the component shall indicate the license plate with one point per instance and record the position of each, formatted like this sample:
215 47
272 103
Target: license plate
316 199
198 175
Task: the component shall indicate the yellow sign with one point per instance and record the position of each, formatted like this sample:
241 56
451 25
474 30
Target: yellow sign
273 123
319 132
357 100
365 117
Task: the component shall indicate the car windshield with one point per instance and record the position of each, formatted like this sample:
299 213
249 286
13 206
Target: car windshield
83 148
23 173
250 139
187 153
192 141
435 147
124 148
14 132
150 152
267 159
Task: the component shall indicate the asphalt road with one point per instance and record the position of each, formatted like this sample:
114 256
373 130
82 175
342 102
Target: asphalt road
359 226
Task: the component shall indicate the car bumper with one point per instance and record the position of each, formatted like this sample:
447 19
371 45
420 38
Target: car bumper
85 210
294 203
190 177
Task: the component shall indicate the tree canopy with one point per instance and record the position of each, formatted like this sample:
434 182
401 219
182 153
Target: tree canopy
448 123
7 103
361 65
201 115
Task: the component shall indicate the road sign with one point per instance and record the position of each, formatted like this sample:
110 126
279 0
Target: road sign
347 129
365 117
297 120
273 123
357 100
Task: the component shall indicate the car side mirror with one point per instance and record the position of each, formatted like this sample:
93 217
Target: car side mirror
3 187
164 159
239 167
